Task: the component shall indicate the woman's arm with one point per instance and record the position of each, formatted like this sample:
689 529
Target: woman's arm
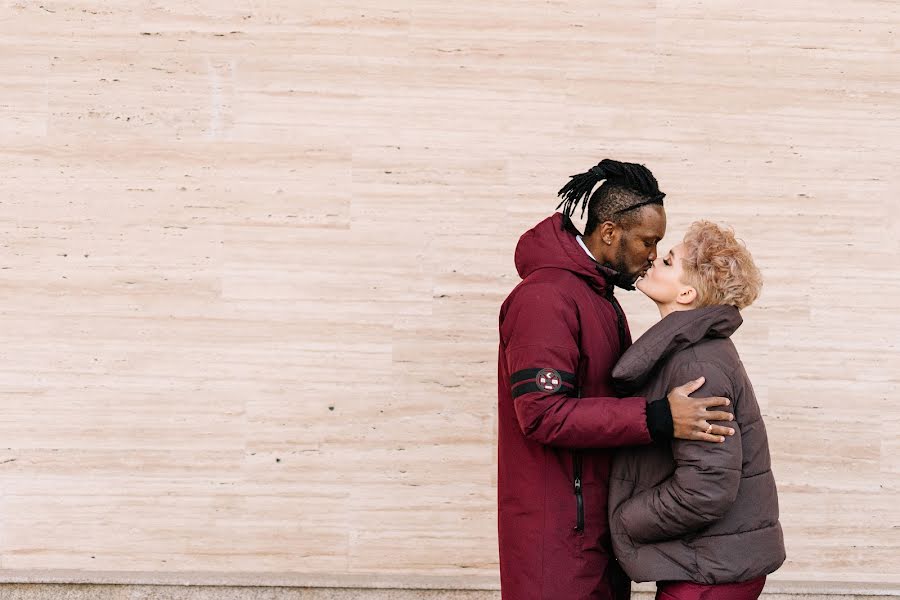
703 486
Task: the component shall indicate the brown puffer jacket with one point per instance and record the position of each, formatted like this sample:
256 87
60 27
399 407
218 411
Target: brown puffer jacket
688 510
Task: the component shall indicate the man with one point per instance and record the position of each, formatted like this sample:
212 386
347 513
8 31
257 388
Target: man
561 333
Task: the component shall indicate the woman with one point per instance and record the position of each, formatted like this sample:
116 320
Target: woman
700 519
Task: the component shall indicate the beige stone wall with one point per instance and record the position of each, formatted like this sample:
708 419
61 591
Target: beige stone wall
253 254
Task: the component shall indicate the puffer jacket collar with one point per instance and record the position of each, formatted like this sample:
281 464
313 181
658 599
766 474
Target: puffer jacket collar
676 331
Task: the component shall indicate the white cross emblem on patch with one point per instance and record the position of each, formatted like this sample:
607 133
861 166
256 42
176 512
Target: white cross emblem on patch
548 380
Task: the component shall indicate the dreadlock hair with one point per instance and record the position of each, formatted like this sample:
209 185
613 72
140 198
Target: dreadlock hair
626 187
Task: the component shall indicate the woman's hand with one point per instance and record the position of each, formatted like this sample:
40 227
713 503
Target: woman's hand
690 417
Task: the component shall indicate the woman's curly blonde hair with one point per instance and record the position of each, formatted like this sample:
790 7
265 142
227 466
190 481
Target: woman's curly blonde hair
719 266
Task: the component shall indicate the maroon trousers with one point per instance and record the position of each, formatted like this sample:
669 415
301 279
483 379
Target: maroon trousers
688 590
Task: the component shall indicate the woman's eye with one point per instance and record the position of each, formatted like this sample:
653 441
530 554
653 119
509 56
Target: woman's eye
666 262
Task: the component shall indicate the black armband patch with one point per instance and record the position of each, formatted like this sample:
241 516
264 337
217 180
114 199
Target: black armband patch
546 380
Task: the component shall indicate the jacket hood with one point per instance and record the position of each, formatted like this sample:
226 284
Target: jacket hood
676 331
552 244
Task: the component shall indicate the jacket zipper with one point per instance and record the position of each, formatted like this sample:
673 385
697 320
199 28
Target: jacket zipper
576 468
620 322
579 499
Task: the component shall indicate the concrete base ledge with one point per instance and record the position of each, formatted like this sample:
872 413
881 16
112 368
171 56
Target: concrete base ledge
61 591
95 585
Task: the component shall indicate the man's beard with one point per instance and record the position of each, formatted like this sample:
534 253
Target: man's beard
621 279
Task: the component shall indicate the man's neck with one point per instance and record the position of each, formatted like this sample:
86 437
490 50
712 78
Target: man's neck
597 249
584 247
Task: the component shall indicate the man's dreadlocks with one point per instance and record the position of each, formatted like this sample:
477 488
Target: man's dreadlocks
626 187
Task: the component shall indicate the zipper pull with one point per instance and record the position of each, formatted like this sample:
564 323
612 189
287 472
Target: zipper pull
578 485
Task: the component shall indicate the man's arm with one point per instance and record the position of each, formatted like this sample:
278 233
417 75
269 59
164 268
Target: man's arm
541 332
702 488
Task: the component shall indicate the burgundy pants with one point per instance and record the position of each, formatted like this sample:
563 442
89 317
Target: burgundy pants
688 590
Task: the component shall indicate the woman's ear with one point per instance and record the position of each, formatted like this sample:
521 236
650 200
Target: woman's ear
687 295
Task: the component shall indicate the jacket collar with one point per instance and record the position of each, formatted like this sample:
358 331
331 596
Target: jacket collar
675 332
552 243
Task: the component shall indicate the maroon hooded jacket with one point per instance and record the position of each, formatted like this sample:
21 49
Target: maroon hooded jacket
561 333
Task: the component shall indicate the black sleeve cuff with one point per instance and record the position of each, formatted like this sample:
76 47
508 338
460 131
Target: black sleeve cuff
659 420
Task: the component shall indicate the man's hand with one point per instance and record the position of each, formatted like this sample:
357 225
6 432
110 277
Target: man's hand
690 417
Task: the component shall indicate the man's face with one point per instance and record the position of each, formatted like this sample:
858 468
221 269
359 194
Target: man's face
636 248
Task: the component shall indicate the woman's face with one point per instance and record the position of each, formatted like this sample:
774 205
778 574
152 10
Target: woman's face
664 283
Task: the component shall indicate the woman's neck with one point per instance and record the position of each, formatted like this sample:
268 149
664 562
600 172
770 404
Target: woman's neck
667 309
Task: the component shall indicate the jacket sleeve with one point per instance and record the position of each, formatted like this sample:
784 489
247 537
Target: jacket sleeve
705 482
541 330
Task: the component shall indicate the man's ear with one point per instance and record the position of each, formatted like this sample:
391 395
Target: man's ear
686 296
609 233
